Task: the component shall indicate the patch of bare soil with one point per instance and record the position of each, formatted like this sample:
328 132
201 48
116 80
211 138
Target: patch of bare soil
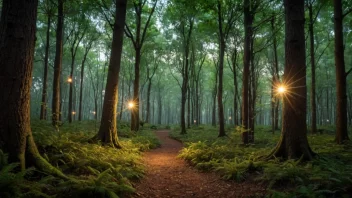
169 176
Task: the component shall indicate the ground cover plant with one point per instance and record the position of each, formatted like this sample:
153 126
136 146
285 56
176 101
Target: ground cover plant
93 170
329 174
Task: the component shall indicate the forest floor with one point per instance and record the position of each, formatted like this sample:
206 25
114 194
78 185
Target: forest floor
169 176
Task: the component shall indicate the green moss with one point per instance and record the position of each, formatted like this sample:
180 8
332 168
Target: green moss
87 170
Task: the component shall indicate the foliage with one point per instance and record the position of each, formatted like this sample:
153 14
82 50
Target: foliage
95 170
329 174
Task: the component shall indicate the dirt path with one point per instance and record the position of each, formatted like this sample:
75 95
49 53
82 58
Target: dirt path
169 176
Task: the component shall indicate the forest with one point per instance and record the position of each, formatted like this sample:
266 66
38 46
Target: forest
175 98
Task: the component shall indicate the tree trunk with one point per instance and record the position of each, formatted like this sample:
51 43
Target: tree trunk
160 108
272 102
220 90
246 65
148 100
213 120
188 107
293 143
57 66
17 41
70 95
276 80
43 105
183 101
122 98
135 110
108 130
341 107
312 61
82 78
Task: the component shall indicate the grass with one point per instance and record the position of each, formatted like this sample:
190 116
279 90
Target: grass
95 170
328 175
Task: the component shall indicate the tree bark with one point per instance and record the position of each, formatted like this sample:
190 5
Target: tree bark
43 105
293 143
135 110
108 130
17 41
246 65
341 107
57 66
312 61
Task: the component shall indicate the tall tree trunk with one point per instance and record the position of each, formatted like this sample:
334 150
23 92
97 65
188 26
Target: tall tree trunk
135 111
188 107
252 96
43 105
148 100
17 41
57 66
122 97
220 90
341 109
183 100
185 72
293 143
312 61
222 47
108 130
160 108
213 120
246 65
276 80
235 84
87 49
70 95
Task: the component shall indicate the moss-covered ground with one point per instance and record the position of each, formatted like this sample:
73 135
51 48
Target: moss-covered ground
328 175
94 170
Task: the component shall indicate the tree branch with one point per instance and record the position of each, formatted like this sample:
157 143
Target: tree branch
148 21
348 72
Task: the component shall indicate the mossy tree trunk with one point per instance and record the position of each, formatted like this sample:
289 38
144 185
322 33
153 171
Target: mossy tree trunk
293 142
17 41
108 131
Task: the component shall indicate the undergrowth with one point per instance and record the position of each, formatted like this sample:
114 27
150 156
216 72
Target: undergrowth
95 170
328 175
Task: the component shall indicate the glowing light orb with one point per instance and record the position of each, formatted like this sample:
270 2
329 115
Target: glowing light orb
73 112
281 89
69 80
130 105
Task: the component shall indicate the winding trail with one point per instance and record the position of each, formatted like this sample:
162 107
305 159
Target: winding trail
169 176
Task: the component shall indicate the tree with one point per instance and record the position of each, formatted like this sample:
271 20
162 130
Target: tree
87 47
57 66
341 109
138 39
108 131
248 21
293 142
48 9
75 40
226 11
150 74
312 20
17 39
